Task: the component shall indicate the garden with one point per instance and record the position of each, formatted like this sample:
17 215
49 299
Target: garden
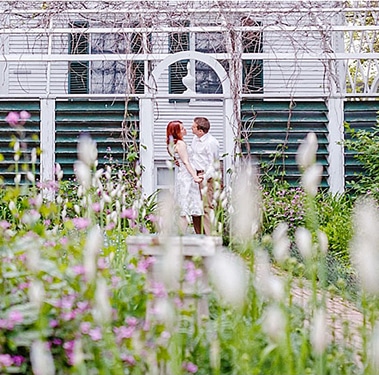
76 299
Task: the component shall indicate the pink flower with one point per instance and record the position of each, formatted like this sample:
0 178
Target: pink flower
129 359
78 269
24 115
53 323
5 360
85 327
12 118
131 321
129 213
123 333
190 367
192 273
96 207
15 317
81 222
158 289
144 264
95 334
4 224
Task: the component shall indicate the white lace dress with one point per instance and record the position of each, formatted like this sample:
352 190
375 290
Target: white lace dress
187 191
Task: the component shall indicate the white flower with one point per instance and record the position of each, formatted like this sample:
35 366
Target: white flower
246 203
274 323
83 173
12 206
30 176
33 156
270 286
92 248
78 355
33 258
36 293
58 171
374 348
319 338
281 242
77 209
103 308
41 359
365 244
323 242
17 178
303 239
306 154
229 277
16 146
164 312
87 150
311 179
30 217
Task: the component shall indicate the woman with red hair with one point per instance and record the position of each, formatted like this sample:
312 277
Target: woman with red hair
187 189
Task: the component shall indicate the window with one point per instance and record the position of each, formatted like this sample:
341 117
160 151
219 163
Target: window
138 67
207 81
252 73
178 42
107 77
78 70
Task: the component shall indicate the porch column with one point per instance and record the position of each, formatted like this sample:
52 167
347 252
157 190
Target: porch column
147 144
336 150
47 139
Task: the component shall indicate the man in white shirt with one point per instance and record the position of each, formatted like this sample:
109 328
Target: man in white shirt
206 161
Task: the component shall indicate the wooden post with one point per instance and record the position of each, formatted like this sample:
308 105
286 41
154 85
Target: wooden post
171 254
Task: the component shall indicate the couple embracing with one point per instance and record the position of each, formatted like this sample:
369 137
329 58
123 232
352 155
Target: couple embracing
196 170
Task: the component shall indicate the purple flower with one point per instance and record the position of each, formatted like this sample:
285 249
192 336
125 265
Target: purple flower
18 360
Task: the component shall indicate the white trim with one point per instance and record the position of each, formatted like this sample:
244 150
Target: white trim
336 157
47 135
192 55
146 116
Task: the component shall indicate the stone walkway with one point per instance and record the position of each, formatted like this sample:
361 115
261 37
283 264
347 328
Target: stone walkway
343 318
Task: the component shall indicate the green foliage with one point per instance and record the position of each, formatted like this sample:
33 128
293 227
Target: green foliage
283 203
365 145
335 219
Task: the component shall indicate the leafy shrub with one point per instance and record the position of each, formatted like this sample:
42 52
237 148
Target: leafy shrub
365 145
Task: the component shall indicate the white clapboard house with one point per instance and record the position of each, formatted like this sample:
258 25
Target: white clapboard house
265 73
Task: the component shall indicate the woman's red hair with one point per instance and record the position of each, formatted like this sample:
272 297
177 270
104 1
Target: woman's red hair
173 132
